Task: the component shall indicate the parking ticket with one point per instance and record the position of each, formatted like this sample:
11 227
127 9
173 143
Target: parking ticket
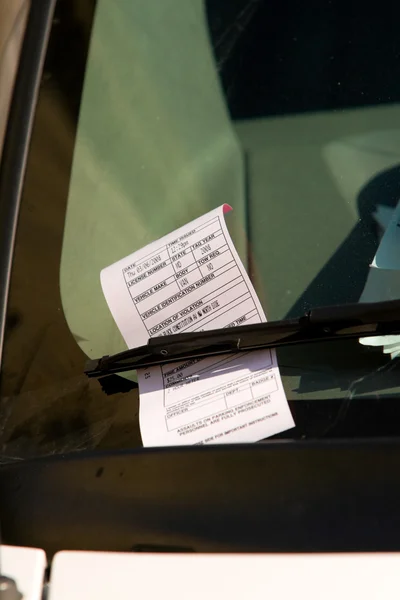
194 280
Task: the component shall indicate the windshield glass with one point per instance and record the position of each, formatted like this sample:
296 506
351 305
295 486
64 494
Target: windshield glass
151 115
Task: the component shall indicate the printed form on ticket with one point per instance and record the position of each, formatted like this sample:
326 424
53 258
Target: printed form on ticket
194 280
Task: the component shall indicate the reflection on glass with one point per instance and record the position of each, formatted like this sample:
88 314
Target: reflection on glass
288 112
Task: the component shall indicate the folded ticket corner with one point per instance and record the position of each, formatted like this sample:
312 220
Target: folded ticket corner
193 280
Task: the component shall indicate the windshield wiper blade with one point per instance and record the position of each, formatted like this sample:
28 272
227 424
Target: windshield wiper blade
321 324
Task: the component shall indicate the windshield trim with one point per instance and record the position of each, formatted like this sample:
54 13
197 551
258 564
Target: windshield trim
17 138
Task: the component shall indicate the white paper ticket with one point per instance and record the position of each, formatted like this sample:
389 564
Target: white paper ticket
193 280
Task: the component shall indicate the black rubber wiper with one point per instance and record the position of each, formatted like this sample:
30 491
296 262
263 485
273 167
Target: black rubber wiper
321 324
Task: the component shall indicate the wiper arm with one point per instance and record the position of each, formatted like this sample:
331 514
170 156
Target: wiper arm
321 324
